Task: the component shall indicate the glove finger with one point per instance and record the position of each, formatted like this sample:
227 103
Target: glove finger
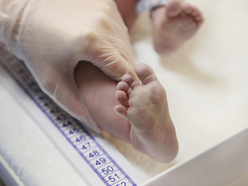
111 54
115 65
107 44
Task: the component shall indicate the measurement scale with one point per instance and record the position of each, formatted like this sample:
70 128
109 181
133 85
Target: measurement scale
94 158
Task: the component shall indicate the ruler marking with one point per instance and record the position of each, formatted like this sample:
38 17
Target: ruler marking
111 173
93 155
119 181
22 77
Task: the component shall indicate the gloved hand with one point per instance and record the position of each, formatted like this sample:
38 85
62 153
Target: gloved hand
52 36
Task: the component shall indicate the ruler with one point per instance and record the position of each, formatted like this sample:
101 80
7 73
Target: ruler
94 158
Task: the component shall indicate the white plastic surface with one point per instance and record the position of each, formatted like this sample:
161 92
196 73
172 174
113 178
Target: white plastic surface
226 163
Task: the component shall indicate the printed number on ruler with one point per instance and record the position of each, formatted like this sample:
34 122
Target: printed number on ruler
82 141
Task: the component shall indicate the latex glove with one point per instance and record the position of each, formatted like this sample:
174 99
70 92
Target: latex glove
52 36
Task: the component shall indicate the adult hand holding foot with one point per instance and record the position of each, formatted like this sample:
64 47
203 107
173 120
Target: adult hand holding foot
51 37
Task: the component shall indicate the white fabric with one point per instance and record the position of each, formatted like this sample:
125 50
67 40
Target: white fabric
27 149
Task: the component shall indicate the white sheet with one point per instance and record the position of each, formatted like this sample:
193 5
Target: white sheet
28 151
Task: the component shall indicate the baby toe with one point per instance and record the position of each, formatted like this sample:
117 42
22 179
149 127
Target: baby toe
127 78
193 11
145 73
122 98
120 110
123 86
173 8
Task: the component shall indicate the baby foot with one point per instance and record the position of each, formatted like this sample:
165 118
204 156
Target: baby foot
173 25
145 106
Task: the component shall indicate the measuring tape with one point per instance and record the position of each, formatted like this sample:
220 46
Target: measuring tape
92 155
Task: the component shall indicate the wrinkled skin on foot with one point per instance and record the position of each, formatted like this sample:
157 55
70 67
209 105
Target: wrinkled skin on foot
146 108
137 114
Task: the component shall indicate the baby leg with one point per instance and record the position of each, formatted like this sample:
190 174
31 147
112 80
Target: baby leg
98 92
148 128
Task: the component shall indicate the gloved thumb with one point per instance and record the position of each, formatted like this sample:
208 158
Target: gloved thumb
112 55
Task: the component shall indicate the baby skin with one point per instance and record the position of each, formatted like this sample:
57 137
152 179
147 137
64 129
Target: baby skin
137 112
173 25
145 107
